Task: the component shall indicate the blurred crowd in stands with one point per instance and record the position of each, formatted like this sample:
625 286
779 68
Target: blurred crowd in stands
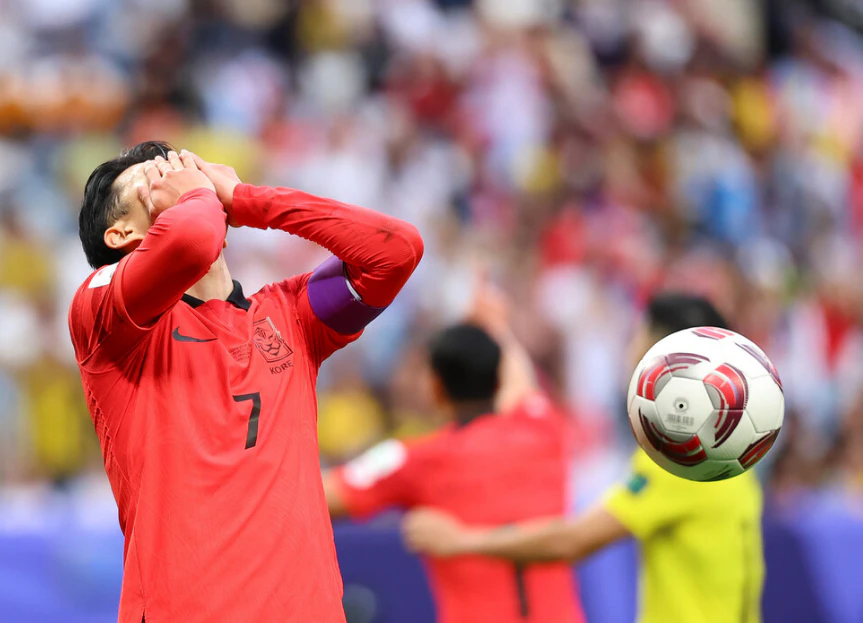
593 150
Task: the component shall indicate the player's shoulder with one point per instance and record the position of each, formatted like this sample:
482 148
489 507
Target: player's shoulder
535 412
535 407
90 293
283 294
289 287
97 281
643 467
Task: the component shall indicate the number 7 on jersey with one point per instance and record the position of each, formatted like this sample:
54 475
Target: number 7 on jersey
252 435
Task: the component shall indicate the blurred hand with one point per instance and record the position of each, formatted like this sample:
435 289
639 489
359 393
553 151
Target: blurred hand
433 532
490 307
224 178
168 180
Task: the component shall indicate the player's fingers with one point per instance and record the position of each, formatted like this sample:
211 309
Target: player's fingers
144 195
163 165
174 160
200 162
152 172
188 159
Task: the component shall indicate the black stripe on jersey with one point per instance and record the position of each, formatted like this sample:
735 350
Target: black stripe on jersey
521 590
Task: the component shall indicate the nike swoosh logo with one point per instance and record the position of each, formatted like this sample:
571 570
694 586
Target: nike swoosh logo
185 338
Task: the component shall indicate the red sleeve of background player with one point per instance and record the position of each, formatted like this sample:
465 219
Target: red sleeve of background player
385 476
375 254
121 302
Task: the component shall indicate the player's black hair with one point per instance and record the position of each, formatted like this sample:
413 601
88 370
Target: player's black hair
670 312
101 205
466 359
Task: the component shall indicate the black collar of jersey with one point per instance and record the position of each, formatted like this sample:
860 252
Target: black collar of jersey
235 298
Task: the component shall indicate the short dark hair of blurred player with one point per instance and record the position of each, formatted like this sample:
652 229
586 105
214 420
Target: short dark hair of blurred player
702 558
484 468
203 398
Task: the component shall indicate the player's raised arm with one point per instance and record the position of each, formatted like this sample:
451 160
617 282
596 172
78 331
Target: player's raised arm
490 309
541 540
186 237
375 254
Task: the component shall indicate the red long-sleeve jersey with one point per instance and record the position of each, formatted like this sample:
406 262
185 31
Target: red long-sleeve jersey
206 411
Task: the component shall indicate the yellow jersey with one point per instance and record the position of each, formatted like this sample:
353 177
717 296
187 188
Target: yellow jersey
701 552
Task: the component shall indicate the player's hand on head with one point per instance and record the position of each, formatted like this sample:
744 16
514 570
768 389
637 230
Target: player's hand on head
168 179
433 532
224 178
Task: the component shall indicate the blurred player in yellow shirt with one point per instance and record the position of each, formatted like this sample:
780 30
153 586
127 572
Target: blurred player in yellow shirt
701 552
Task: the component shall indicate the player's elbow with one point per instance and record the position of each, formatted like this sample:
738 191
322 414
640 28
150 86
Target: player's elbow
404 248
415 244
405 252
565 545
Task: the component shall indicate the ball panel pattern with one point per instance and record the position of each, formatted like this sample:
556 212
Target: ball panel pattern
688 452
683 406
766 404
722 470
713 333
705 404
729 392
756 451
659 371
759 356
721 445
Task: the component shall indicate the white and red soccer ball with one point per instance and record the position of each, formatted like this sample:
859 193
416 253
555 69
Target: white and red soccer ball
705 404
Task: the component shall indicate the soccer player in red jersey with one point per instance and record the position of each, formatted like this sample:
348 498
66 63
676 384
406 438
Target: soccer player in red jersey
484 468
203 398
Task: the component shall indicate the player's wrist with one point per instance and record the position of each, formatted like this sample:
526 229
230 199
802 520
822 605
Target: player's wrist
245 209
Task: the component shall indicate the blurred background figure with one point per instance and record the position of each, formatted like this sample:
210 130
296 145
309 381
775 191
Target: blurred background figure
501 459
598 150
716 578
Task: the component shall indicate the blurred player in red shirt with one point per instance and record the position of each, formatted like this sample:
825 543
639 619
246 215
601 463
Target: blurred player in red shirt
203 398
484 468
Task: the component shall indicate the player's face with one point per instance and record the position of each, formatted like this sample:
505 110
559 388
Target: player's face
126 234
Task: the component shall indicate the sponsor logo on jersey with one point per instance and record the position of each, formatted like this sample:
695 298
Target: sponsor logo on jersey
187 338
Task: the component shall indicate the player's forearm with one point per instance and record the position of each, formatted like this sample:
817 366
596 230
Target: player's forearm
517 375
543 540
380 252
177 251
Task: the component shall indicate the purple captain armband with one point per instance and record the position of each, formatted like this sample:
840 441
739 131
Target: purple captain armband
334 301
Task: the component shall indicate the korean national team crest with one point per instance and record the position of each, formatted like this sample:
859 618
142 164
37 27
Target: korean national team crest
269 342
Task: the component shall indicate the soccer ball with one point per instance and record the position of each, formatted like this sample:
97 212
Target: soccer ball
706 404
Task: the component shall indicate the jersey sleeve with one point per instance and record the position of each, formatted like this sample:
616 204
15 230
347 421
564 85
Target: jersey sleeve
98 317
651 499
376 252
383 477
120 303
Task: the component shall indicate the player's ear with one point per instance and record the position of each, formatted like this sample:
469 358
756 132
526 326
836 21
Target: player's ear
123 235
